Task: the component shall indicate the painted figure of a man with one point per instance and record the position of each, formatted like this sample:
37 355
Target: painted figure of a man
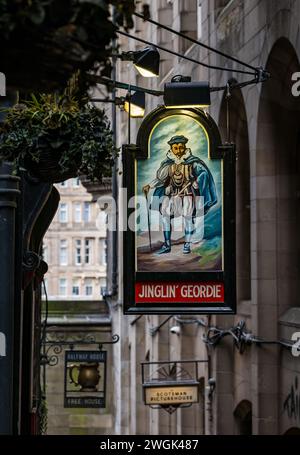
180 178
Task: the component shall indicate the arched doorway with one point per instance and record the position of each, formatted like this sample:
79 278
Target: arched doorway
278 181
294 431
229 364
276 243
239 135
243 418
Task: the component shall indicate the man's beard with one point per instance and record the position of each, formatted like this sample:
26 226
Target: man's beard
180 155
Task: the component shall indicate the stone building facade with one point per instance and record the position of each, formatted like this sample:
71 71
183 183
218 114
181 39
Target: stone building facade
75 247
77 316
256 391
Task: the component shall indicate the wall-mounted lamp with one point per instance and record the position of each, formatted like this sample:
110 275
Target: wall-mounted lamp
135 104
181 92
176 330
146 60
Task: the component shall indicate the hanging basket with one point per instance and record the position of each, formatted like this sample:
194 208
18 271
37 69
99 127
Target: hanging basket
55 139
48 169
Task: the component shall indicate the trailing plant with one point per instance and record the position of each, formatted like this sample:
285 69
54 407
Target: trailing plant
55 138
44 42
43 415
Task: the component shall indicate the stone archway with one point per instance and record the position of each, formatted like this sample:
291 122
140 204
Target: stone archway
243 418
294 431
278 182
239 135
275 239
229 366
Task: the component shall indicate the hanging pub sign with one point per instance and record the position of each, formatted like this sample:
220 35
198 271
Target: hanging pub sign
179 245
171 384
170 394
85 379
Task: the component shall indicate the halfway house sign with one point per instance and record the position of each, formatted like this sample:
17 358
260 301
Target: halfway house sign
85 379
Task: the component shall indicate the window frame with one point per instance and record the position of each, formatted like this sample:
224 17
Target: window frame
75 284
63 249
87 212
65 287
63 209
88 251
77 205
78 248
88 284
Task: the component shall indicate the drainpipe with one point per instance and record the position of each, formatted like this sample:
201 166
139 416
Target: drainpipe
114 289
9 192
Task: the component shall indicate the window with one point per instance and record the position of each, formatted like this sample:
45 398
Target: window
87 212
104 252
76 182
62 286
75 287
77 212
63 212
63 252
87 251
78 252
243 418
88 286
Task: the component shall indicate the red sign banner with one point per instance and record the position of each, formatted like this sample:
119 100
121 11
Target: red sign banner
168 292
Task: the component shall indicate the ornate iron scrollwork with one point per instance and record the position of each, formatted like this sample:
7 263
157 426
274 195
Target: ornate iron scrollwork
31 261
55 342
51 359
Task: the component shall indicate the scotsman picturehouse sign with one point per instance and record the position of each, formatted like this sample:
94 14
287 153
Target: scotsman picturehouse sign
179 249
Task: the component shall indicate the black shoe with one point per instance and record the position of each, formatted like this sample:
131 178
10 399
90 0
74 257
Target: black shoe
164 249
186 248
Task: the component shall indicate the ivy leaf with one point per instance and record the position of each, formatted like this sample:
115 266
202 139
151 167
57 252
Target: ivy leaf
36 13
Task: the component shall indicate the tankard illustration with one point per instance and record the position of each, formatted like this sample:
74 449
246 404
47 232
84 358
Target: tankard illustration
88 376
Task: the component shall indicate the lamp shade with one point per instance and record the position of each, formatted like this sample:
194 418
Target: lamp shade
187 94
137 104
147 61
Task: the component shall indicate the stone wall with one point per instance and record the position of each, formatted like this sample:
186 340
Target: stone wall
251 388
